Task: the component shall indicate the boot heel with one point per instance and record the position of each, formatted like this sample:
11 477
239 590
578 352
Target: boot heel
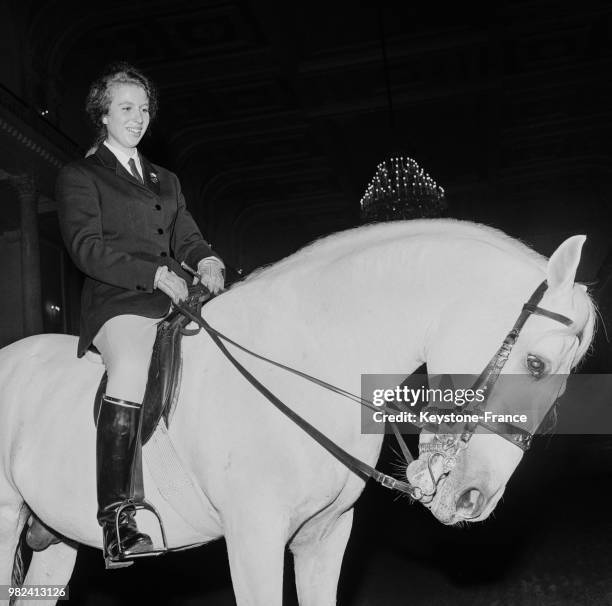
111 564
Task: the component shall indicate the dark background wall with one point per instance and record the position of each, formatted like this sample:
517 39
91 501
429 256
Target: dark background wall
276 115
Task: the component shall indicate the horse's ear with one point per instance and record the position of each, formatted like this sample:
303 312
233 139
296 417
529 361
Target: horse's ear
563 263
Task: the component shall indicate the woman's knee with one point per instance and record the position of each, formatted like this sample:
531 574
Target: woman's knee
127 381
129 366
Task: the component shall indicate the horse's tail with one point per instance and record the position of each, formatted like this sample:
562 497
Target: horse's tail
23 555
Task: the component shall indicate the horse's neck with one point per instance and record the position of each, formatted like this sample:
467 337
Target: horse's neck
373 311
323 325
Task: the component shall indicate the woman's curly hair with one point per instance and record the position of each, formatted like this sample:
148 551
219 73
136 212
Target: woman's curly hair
99 97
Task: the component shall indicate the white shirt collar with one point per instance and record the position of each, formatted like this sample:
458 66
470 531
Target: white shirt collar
125 158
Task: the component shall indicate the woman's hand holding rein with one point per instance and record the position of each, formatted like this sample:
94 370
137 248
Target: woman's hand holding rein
171 284
211 271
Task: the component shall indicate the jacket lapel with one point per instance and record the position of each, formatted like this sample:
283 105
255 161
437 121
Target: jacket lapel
108 159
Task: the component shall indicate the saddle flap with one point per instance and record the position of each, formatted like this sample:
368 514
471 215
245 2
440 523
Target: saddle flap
164 375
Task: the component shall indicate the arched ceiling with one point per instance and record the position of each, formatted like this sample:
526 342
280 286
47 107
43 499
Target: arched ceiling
275 114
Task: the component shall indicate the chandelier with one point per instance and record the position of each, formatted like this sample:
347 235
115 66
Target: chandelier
401 189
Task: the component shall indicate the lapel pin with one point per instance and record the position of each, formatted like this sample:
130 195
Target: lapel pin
153 177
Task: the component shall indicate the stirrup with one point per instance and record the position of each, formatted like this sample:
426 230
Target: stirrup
121 560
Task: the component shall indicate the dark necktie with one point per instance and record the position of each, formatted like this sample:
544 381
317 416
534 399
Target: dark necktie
134 170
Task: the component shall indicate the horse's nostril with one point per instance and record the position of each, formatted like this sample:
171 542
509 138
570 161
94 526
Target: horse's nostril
470 503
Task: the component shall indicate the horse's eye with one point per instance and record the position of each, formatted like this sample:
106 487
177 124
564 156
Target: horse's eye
536 366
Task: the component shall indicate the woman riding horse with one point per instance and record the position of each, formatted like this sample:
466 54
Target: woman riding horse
125 224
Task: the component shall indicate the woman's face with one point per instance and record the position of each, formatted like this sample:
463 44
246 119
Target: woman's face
128 116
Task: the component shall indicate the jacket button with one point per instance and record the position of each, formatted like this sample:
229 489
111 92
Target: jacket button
140 287
160 230
163 254
158 207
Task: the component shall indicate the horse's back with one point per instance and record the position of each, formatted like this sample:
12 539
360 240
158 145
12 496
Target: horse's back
46 394
37 349
42 365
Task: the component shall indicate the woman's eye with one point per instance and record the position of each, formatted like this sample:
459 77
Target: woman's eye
535 365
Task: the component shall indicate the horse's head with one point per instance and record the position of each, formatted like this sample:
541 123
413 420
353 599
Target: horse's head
465 473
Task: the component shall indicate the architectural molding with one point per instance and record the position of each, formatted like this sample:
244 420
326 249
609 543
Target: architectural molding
32 132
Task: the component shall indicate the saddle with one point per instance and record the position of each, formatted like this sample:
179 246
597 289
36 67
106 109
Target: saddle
160 396
164 376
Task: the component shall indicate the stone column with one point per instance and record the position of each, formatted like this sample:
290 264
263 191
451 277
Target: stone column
30 256
31 291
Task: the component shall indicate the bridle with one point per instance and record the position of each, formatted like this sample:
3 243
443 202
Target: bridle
448 448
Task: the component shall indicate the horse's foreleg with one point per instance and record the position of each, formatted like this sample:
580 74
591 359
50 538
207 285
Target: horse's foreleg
256 549
318 559
12 520
53 566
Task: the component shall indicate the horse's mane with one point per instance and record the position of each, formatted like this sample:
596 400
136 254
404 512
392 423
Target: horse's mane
342 243
359 238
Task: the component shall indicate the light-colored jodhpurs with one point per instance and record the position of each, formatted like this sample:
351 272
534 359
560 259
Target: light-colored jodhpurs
125 343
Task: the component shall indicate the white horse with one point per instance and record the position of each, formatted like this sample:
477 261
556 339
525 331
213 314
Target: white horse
377 299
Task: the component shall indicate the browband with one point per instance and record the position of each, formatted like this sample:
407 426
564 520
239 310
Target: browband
539 311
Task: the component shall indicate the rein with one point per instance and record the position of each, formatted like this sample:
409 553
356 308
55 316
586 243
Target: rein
362 469
446 448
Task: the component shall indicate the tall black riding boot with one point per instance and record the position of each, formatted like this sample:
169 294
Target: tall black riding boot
117 450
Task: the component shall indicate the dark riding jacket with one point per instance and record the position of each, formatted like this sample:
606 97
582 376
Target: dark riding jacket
119 231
